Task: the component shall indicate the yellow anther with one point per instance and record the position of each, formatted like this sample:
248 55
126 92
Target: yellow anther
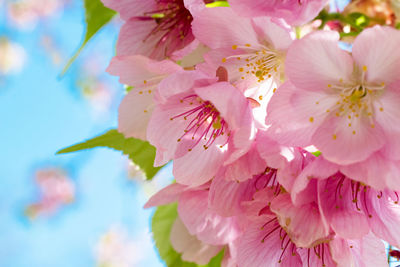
140 92
311 119
328 110
241 69
234 47
145 111
274 90
380 109
372 125
349 124
364 68
334 137
149 91
260 97
354 132
317 102
248 45
329 85
144 81
223 60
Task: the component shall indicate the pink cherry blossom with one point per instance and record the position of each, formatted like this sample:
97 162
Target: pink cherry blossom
295 12
143 75
351 208
200 221
200 123
154 28
345 105
268 240
252 50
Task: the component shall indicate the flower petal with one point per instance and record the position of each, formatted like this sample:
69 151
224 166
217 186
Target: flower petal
294 115
192 249
377 48
228 29
316 60
342 144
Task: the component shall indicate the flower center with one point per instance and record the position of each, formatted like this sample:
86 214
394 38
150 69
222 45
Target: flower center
172 18
355 99
205 123
286 244
359 193
260 61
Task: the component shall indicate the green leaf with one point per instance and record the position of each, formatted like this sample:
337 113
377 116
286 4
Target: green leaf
96 17
316 153
139 151
218 3
162 222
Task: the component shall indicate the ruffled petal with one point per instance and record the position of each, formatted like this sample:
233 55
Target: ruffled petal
226 197
192 249
292 219
339 210
208 226
245 167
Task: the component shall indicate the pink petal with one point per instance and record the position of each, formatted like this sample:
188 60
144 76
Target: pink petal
252 252
377 171
378 49
132 38
181 82
228 29
278 36
192 249
316 60
385 218
226 197
245 167
130 8
319 169
342 144
294 114
208 226
166 195
134 113
292 219
371 251
163 133
199 166
340 211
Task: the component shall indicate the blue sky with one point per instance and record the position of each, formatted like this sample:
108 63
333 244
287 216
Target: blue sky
40 114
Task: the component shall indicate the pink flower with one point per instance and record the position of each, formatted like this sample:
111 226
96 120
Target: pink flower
252 50
143 75
154 28
200 221
295 12
269 241
351 208
346 105
200 123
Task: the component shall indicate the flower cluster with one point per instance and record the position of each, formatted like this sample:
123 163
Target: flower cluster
238 103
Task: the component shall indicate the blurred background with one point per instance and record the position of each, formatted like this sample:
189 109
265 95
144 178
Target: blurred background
85 208
79 209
